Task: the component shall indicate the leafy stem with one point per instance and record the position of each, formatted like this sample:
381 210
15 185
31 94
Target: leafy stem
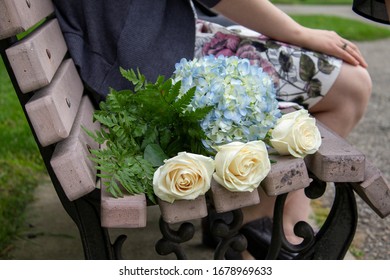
142 128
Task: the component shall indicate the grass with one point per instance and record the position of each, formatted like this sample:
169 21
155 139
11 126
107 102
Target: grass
320 212
353 30
21 167
356 252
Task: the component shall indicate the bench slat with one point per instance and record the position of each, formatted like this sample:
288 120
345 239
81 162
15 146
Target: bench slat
70 161
374 190
36 58
287 174
53 109
17 16
336 160
225 200
183 210
129 211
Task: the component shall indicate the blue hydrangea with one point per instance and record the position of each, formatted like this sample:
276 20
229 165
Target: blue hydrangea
243 97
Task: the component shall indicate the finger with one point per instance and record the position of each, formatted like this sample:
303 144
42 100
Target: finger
351 54
350 58
354 48
359 57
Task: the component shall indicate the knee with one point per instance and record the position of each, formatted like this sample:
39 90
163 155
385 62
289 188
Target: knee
345 104
362 89
356 93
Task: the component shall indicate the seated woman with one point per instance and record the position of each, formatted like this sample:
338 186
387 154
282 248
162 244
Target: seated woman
153 35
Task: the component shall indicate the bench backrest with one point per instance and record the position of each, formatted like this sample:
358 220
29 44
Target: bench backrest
51 92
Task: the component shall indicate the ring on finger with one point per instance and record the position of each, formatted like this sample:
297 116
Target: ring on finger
344 47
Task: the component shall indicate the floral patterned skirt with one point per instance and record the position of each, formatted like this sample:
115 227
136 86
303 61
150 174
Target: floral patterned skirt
299 75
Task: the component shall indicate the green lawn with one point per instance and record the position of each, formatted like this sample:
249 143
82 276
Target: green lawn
353 30
20 164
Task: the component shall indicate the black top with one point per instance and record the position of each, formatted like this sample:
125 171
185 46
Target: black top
151 35
372 9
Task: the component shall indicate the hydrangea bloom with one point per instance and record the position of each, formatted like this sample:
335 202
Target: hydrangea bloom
243 97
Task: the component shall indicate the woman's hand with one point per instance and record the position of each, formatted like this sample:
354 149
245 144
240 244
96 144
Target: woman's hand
331 43
262 16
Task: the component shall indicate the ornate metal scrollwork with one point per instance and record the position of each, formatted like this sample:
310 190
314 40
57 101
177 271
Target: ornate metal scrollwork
333 239
172 239
117 246
335 236
279 240
231 239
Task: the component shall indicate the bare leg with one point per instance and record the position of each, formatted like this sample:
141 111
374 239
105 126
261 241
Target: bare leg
340 110
344 105
264 209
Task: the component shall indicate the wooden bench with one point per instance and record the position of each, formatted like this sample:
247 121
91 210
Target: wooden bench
56 105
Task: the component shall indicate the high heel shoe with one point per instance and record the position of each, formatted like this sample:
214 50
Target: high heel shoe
258 234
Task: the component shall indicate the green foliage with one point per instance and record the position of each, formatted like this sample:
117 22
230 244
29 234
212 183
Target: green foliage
142 128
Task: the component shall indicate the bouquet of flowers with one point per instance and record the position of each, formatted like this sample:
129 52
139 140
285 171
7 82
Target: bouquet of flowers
216 117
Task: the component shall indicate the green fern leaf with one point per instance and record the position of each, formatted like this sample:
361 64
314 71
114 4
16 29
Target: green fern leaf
174 92
197 115
183 102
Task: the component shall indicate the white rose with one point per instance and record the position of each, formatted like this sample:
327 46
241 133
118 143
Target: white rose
185 176
240 167
296 134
